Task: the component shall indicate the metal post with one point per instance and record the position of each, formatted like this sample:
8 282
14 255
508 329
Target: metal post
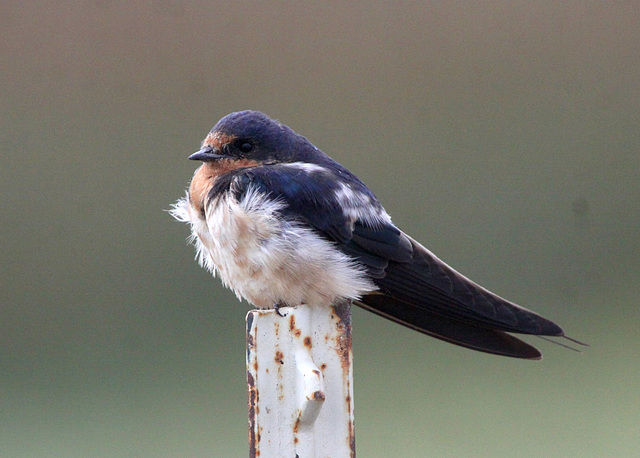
299 372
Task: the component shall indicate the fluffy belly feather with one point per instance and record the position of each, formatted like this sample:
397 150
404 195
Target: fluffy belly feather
268 260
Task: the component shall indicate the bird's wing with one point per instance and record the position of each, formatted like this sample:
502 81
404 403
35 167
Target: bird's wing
416 288
427 295
427 281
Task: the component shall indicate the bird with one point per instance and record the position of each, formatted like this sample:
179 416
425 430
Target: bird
283 224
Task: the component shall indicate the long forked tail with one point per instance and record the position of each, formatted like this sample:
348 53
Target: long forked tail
453 331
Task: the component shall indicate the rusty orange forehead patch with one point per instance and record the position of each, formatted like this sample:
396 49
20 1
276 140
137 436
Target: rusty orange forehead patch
217 139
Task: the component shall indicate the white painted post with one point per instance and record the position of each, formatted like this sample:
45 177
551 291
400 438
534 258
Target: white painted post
300 377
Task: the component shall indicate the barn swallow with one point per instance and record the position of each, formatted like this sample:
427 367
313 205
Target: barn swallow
283 224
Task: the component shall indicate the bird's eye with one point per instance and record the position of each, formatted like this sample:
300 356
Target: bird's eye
246 147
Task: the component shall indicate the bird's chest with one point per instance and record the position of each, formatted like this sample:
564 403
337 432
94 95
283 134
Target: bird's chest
247 244
267 259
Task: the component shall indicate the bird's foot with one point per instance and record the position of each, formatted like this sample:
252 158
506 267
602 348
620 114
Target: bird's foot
277 306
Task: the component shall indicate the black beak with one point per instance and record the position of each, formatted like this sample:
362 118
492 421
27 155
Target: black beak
208 154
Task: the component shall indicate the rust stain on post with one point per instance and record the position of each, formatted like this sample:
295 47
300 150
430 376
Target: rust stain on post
343 347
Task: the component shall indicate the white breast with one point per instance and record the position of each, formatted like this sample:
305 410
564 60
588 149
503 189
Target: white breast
267 260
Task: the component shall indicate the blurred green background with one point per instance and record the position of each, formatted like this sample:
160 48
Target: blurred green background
504 135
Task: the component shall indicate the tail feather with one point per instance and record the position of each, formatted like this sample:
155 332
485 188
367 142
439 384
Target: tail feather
461 333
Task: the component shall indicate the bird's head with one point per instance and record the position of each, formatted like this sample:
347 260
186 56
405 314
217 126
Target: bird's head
252 136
